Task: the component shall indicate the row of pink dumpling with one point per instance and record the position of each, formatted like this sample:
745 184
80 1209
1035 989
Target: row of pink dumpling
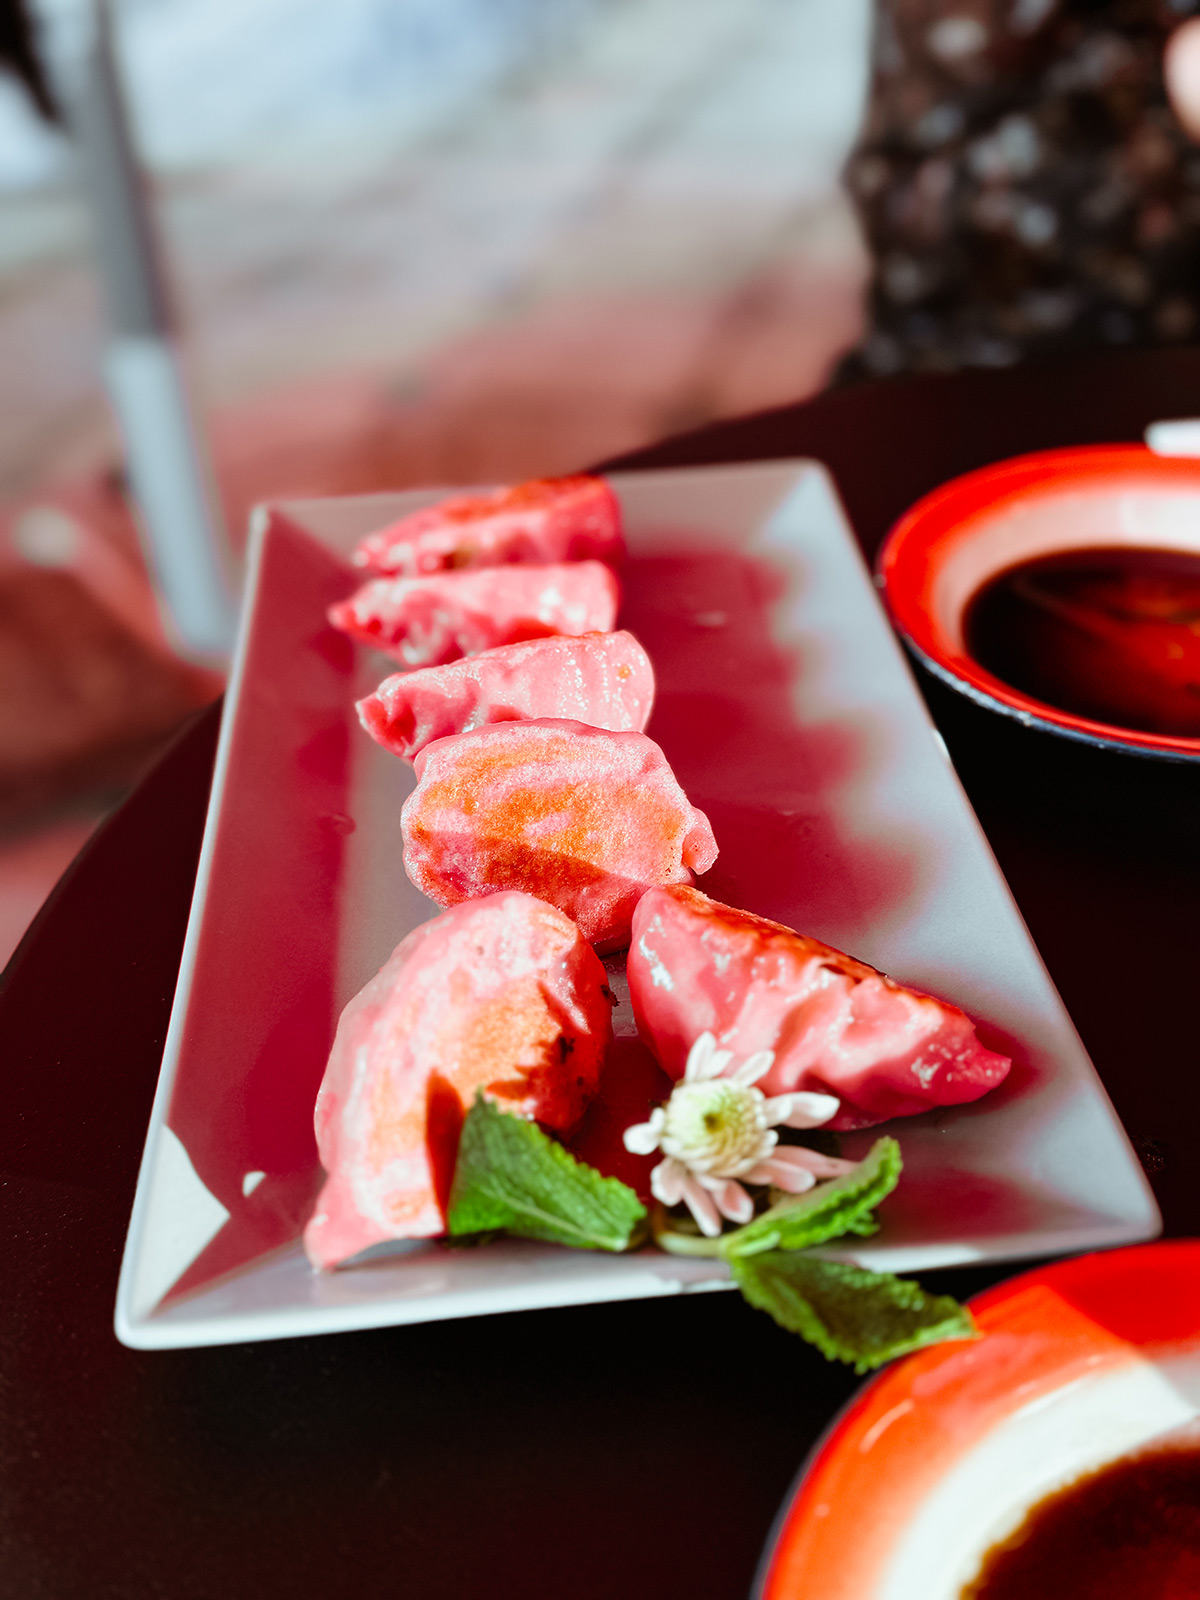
438 604
557 685
490 814
580 808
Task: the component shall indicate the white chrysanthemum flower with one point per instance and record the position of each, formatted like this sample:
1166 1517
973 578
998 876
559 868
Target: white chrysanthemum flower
718 1128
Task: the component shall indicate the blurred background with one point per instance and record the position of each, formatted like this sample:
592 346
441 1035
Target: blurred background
460 241
412 242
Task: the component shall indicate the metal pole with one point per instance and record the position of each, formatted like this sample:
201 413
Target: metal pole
169 474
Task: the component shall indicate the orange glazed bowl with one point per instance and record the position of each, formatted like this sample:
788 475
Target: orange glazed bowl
944 550
941 1456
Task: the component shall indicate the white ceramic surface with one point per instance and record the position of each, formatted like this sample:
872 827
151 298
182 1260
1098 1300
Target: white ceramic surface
789 715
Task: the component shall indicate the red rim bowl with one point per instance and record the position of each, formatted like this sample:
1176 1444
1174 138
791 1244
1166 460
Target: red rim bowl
949 544
943 1454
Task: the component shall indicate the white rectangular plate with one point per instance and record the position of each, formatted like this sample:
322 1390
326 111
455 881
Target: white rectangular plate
790 717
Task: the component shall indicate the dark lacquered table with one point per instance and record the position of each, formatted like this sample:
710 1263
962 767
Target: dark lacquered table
631 1450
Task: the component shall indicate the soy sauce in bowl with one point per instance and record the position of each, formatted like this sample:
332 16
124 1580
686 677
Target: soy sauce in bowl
1112 634
1129 1531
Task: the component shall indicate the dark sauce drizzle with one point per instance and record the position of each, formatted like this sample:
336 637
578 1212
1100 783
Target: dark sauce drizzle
1108 634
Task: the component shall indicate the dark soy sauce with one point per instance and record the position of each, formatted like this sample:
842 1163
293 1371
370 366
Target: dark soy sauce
1109 634
1130 1531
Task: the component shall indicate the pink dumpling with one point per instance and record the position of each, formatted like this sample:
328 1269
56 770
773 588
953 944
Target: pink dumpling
503 994
546 519
603 679
422 622
836 1025
581 817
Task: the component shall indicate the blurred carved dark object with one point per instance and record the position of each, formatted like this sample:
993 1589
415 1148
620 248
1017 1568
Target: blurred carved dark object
17 53
1023 183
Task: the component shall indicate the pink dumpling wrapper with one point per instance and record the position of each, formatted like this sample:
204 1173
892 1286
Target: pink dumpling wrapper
503 994
602 679
422 622
544 520
582 817
835 1025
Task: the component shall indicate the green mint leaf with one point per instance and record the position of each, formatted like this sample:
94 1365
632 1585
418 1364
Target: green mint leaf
853 1315
841 1206
512 1176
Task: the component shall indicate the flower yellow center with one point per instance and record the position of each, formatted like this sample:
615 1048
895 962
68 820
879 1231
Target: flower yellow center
714 1126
